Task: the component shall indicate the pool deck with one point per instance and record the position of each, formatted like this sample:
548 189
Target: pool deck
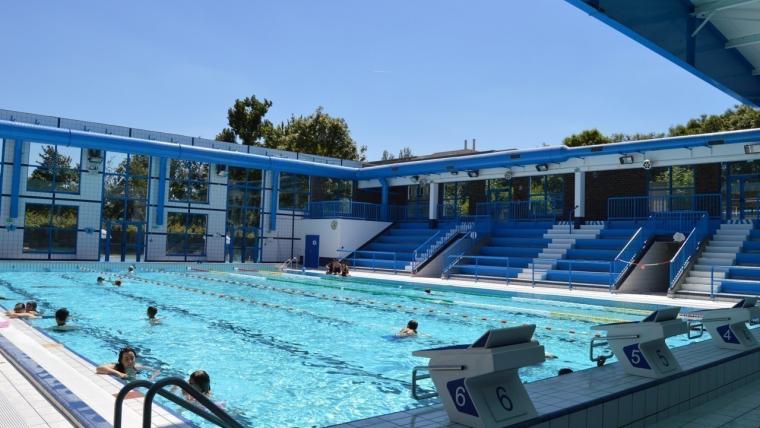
515 287
75 376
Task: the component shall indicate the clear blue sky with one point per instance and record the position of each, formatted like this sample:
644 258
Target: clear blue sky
424 74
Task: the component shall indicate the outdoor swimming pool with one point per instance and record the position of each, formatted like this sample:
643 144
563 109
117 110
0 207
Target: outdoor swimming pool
292 350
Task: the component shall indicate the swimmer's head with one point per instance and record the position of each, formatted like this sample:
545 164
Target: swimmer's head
127 359
100 280
31 306
152 311
20 308
564 371
61 315
117 283
412 325
201 381
131 269
427 290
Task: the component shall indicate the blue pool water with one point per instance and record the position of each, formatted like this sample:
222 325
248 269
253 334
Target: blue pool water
291 350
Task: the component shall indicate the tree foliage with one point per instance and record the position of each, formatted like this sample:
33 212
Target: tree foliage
405 153
733 119
317 134
246 121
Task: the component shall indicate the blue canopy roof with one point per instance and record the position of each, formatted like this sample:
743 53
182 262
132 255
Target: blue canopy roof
716 40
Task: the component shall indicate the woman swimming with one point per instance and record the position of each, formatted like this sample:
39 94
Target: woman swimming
126 367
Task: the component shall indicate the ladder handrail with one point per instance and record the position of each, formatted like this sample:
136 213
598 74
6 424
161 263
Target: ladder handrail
217 416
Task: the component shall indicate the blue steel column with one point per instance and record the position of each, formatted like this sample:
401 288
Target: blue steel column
161 194
274 197
384 199
16 178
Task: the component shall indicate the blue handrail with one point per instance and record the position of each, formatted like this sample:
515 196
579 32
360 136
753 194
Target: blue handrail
519 210
689 247
414 211
344 209
640 207
455 259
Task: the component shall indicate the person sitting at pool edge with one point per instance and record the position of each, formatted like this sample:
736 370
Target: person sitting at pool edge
343 269
333 267
409 330
152 311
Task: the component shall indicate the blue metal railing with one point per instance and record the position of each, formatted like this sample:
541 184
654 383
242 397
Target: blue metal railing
640 207
689 247
351 254
456 258
625 258
519 210
408 212
344 209
726 270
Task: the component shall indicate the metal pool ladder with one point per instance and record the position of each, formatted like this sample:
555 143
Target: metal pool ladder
204 407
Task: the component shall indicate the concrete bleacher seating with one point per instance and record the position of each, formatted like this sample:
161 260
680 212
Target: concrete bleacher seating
732 245
511 247
590 259
400 240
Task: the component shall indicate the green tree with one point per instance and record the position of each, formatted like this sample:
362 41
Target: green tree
52 164
733 119
246 121
387 156
405 153
317 134
586 138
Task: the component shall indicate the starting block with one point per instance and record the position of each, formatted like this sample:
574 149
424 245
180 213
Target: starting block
479 384
728 327
640 345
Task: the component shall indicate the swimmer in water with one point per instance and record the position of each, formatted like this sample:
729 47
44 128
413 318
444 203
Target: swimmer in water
61 316
100 280
152 311
19 311
409 330
126 367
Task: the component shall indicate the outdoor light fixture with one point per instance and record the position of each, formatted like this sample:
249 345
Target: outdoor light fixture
473 173
627 159
752 149
415 178
454 172
542 167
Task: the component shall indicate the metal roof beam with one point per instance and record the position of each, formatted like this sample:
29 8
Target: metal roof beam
704 10
752 39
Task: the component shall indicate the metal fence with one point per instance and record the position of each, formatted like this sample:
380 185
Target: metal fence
640 207
344 209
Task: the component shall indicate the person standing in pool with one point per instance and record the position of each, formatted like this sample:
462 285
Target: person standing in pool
152 312
61 316
19 311
100 280
409 330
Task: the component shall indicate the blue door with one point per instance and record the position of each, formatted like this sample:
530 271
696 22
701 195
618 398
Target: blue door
311 255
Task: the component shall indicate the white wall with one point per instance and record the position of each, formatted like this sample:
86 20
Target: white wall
347 234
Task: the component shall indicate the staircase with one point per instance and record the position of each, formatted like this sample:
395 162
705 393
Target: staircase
561 239
394 248
720 251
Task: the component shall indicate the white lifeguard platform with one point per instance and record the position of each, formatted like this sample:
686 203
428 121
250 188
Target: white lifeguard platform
640 345
728 327
479 384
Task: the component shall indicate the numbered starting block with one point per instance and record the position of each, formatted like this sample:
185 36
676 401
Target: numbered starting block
478 384
640 345
728 327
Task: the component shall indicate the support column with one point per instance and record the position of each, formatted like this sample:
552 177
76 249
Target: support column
433 205
161 194
384 199
16 178
274 196
580 195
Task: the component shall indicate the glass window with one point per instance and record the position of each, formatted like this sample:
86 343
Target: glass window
671 188
53 168
186 234
294 191
337 189
499 190
188 181
50 228
125 188
456 200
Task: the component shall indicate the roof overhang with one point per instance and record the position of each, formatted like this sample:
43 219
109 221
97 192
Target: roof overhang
716 40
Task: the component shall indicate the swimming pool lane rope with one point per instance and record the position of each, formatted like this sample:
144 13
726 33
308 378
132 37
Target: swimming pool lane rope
538 312
445 315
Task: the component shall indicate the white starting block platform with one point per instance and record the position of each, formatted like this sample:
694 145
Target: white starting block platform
640 345
479 384
728 327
